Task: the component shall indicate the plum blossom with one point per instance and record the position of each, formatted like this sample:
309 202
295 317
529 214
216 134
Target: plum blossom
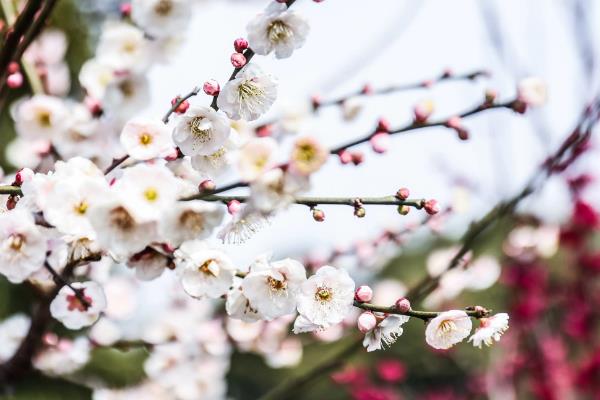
201 131
23 245
187 220
244 225
447 329
276 189
144 139
249 95
277 29
74 313
532 91
308 156
123 48
40 117
12 332
204 271
272 289
148 264
160 18
64 357
217 163
126 95
326 297
385 333
238 306
256 156
490 329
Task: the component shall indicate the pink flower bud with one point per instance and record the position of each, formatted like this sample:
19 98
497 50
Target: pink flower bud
358 158
125 9
93 105
14 80
181 108
13 67
11 202
403 305
318 215
454 123
383 125
207 186
366 321
402 194
463 134
363 294
432 207
380 142
490 96
345 157
50 339
173 155
211 87
233 207
264 130
238 60
448 72
367 89
315 101
240 44
23 175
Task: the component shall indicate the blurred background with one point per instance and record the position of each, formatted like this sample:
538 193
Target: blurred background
537 272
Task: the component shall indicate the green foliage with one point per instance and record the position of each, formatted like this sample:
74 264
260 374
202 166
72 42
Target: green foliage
116 368
43 388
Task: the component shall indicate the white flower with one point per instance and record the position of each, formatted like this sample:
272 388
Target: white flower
160 18
187 220
40 117
126 96
308 156
302 325
243 226
64 358
272 291
386 333
80 135
144 139
74 313
239 307
147 191
256 156
149 264
326 297
204 271
249 95
447 329
12 332
118 232
123 48
95 78
23 247
490 329
277 29
532 91
276 189
201 131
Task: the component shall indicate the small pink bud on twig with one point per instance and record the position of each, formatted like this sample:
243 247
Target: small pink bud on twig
238 60
13 67
345 157
360 212
358 158
11 202
318 215
14 80
125 9
366 321
207 186
431 206
454 123
23 175
264 130
380 142
363 294
403 209
240 44
315 101
403 305
211 87
383 125
234 207
182 107
367 89
402 194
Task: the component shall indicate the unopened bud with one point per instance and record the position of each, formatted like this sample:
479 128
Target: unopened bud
14 80
360 212
125 9
403 209
233 207
383 125
318 215
402 194
380 142
345 157
431 206
182 107
207 186
366 321
211 87
240 45
403 305
363 294
24 174
238 60
358 158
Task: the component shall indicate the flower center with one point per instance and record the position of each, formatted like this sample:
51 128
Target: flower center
74 303
163 7
447 326
279 32
129 46
151 194
145 139
200 129
305 153
276 284
81 208
127 88
16 241
250 90
323 294
43 118
121 218
192 220
205 268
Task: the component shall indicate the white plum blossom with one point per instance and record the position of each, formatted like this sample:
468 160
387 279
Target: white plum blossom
187 220
255 157
326 298
63 358
276 189
490 329
12 332
277 29
147 191
23 246
145 139
149 264
532 91
126 96
160 18
244 225
385 333
204 271
95 77
272 290
71 311
249 95
123 48
308 156
447 329
201 131
238 306
40 117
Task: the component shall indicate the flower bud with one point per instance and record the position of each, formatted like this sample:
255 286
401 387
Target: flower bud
238 60
233 207
490 96
403 305
318 215
264 130
358 158
315 101
13 67
22 175
367 89
380 142
93 105
402 194
363 294
14 80
360 212
11 202
454 123
366 321
345 157
403 209
383 125
181 108
432 207
211 87
125 9
240 44
207 186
